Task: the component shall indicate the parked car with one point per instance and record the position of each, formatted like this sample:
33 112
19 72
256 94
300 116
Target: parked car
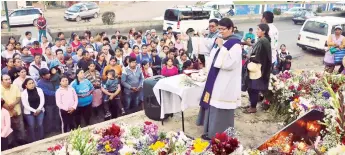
81 11
315 32
24 16
302 16
294 10
339 6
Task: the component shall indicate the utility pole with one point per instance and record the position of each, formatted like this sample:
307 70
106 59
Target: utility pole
8 20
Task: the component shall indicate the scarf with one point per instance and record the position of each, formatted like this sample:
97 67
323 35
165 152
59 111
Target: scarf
213 73
262 54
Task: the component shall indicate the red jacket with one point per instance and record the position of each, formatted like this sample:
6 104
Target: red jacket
41 23
36 51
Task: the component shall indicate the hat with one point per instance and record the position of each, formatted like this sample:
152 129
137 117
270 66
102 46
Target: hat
44 71
153 30
254 70
338 27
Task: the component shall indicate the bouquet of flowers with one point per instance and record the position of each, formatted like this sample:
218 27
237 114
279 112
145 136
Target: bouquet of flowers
224 144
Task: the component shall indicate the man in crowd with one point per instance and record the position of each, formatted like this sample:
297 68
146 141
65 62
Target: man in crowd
213 28
61 35
51 110
138 41
113 42
144 56
18 63
171 55
84 62
58 45
154 35
69 51
28 39
36 49
83 42
35 67
267 18
132 80
160 46
41 25
250 35
11 95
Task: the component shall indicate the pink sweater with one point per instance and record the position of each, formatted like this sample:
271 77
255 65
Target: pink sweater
5 123
66 98
169 72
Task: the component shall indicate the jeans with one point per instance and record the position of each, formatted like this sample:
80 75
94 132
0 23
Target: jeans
32 121
132 99
84 112
17 125
40 33
52 115
253 97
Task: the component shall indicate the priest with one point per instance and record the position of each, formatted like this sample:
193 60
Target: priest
222 92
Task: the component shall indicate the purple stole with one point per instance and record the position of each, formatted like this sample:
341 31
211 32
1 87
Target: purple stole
213 73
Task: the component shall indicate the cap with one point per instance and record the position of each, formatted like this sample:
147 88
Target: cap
153 30
44 71
338 27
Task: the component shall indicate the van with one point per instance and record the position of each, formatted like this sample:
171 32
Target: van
222 6
315 32
81 11
339 6
182 18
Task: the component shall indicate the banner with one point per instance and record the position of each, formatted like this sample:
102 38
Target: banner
282 7
247 9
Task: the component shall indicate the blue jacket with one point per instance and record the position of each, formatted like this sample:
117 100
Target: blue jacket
48 91
83 89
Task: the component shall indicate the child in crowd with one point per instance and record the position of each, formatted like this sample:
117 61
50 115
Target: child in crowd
70 68
67 101
111 89
284 58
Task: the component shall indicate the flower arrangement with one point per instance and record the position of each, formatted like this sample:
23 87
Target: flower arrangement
224 144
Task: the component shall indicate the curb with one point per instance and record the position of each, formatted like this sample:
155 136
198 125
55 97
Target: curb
125 26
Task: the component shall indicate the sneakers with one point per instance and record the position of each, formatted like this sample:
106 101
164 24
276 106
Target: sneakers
123 111
107 115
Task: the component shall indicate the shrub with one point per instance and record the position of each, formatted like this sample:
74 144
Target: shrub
108 18
319 9
277 11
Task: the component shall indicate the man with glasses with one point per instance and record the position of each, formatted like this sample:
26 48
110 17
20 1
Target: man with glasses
213 29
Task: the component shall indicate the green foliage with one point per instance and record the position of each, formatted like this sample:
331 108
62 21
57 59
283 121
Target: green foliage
277 11
81 140
108 18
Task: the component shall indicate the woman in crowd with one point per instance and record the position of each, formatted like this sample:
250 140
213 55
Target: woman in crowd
163 54
84 88
48 55
12 40
33 102
9 66
45 43
259 67
70 68
18 46
111 89
17 56
26 57
112 65
335 41
135 52
156 62
87 35
126 49
67 101
146 69
169 69
75 43
9 52
95 78
22 76
126 62
78 56
6 129
119 56
55 75
100 62
182 58
171 45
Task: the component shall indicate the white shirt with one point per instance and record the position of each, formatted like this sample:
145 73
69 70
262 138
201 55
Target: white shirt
54 48
34 73
8 55
274 34
26 104
26 41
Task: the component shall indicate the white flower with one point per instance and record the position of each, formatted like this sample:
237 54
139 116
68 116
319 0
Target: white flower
127 150
339 150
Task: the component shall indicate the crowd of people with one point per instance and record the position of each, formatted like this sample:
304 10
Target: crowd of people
52 87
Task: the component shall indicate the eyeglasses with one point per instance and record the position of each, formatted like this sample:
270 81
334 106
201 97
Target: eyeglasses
222 29
211 26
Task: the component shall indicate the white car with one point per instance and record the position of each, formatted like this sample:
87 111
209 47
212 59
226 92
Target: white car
294 10
339 6
82 10
25 16
315 32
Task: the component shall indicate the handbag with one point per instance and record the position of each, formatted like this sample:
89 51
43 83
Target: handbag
245 76
329 58
338 56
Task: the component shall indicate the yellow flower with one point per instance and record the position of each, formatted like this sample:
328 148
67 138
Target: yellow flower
199 145
156 146
254 152
323 149
108 148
